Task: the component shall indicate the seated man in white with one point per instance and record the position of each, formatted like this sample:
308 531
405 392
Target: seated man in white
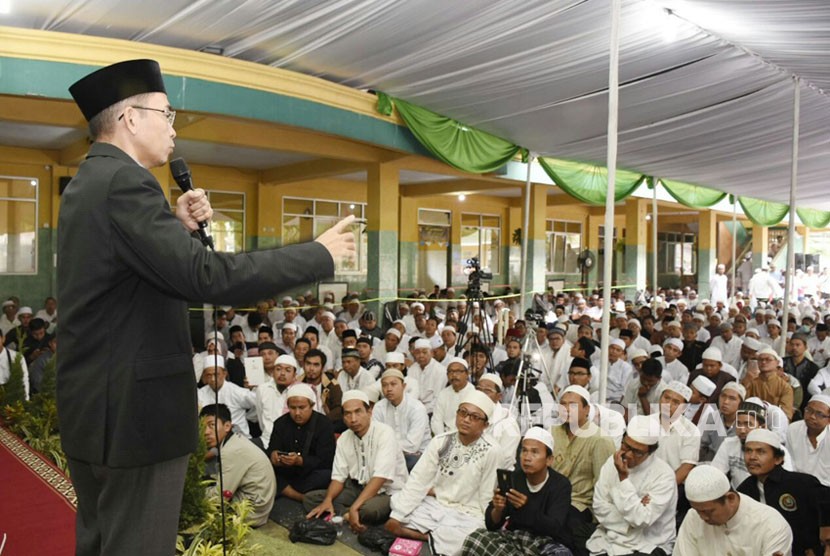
405 413
240 401
353 376
246 471
443 419
459 468
809 440
430 374
726 522
368 467
635 497
271 396
503 429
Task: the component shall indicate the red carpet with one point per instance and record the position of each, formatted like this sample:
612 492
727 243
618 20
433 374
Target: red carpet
37 503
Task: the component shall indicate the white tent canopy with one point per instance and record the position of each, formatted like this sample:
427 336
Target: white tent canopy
711 106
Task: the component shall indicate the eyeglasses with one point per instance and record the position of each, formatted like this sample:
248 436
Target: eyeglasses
169 114
464 414
810 411
627 448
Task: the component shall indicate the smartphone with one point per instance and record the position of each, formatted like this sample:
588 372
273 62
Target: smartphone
505 480
283 453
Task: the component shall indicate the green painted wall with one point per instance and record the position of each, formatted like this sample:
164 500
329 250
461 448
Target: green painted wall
32 289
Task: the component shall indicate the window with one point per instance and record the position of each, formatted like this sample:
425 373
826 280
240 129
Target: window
18 225
480 235
677 253
563 242
305 219
228 223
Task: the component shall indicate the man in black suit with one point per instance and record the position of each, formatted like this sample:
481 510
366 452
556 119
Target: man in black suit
126 268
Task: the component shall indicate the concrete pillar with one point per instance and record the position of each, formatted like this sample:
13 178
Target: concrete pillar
707 250
382 211
760 245
535 264
636 237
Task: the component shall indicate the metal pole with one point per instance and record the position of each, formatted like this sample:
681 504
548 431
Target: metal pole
654 285
734 246
613 105
525 305
788 280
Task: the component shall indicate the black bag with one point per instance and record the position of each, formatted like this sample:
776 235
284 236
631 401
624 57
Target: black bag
313 531
377 538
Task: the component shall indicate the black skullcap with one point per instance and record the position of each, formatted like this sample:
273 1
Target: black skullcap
749 407
350 352
350 333
582 363
103 88
268 345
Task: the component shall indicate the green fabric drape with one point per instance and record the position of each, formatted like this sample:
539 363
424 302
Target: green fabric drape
587 182
460 146
763 213
693 196
814 218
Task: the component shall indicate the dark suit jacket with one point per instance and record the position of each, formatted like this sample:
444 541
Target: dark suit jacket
126 269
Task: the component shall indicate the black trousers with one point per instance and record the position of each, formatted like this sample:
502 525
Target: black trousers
128 511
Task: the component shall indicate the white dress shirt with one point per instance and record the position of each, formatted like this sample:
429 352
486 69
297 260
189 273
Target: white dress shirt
679 443
431 380
270 406
240 401
813 461
446 404
360 380
410 421
504 430
618 374
377 454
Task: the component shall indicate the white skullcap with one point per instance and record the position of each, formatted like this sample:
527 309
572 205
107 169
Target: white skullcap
395 357
635 322
820 398
676 342
716 315
355 395
287 298
774 322
373 392
580 391
704 385
327 315
214 361
737 387
752 343
287 360
713 354
494 378
395 332
422 343
634 353
481 401
541 435
770 312
301 390
392 373
654 348
705 483
417 305
672 324
617 342
24 311
699 316
643 429
289 326
8 303
398 321
677 386
766 436
214 337
767 350
449 328
460 361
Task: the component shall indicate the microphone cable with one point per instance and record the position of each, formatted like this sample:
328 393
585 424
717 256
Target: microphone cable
216 428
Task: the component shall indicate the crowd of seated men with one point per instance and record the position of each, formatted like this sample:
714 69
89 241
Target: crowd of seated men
707 440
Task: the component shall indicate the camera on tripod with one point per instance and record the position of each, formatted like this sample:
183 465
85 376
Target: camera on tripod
474 272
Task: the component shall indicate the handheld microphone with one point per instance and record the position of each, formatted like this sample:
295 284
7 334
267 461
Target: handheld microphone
181 173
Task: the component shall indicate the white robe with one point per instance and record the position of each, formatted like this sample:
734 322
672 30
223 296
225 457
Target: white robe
431 380
504 430
625 524
446 404
410 421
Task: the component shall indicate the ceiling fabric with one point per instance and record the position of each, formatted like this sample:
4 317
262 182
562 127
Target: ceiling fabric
712 106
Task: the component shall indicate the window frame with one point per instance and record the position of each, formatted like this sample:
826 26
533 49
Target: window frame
36 202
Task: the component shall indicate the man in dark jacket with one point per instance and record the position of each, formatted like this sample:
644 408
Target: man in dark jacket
127 266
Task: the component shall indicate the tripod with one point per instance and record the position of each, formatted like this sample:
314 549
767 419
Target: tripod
524 381
474 297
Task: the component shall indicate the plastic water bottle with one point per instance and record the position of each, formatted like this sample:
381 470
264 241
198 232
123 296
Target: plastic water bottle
338 521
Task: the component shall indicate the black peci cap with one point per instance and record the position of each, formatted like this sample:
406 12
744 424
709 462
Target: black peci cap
103 88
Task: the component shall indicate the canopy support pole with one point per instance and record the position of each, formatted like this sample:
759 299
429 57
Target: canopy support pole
788 280
525 304
734 245
613 106
654 285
